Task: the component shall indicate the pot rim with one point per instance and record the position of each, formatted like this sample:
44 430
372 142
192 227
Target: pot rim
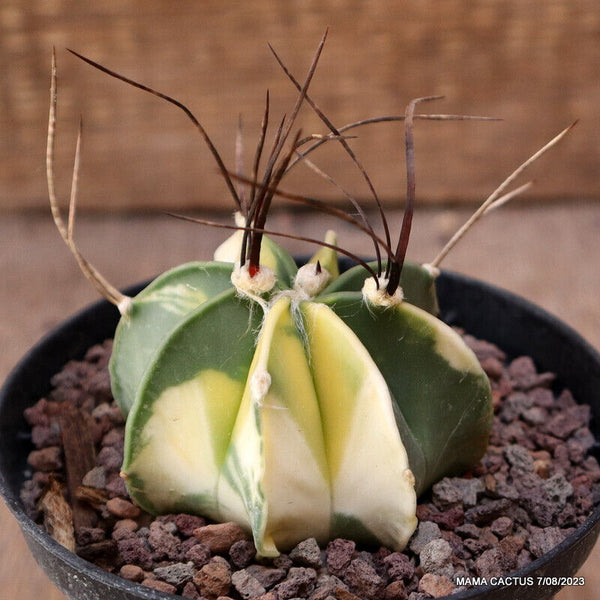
32 530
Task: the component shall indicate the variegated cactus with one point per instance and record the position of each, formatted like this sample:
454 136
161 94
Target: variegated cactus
296 402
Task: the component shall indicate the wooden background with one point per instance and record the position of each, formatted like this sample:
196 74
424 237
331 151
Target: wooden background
534 63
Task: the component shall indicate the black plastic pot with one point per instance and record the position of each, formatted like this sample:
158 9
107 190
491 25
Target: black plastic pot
512 323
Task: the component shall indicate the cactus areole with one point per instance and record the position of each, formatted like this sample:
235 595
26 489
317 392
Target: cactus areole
296 402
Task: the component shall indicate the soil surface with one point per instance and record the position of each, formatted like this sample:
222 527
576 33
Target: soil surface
536 484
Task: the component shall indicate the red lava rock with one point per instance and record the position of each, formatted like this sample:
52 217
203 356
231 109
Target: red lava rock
135 551
89 535
426 531
114 437
186 524
300 581
543 540
38 414
395 591
110 458
494 563
220 537
502 526
484 349
493 367
132 573
199 554
190 591
43 436
565 400
512 545
457 545
47 459
449 519
266 576
283 561
163 543
363 580
339 556
213 580
160 586
486 513
242 553
246 585
122 508
115 486
436 585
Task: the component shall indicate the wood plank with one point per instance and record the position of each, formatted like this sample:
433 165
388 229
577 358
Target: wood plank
534 64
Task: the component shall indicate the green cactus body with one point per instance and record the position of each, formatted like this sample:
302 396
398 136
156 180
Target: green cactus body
153 314
417 282
295 417
158 309
178 430
437 384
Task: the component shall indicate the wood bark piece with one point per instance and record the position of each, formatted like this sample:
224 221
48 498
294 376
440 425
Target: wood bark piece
58 516
80 457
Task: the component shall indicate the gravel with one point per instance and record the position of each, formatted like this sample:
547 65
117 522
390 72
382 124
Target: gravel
535 484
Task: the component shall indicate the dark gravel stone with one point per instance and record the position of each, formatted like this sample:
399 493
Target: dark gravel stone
339 556
436 557
543 540
246 585
328 586
502 526
242 553
494 563
283 561
177 574
89 535
47 459
519 458
426 531
110 458
199 554
186 524
163 543
363 580
267 576
399 566
135 551
484 514
395 591
301 581
448 519
468 530
307 554
190 591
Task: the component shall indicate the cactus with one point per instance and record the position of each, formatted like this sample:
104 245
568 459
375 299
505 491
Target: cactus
296 402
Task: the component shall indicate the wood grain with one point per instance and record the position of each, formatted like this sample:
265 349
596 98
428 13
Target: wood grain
546 254
532 63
